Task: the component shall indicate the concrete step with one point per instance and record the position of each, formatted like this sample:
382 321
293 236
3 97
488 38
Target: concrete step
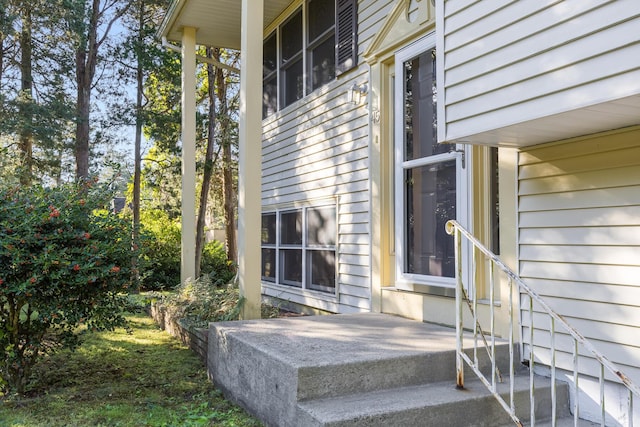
435 404
391 370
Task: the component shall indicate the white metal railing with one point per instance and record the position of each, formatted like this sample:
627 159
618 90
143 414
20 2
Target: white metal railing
556 321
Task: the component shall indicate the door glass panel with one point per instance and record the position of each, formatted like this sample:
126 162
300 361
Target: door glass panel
429 181
420 109
430 203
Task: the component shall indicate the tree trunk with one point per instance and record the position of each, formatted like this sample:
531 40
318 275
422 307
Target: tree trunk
209 160
26 97
137 171
86 57
229 193
86 61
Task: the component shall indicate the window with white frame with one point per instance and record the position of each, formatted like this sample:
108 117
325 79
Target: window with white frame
312 46
299 247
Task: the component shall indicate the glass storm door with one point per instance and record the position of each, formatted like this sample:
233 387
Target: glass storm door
430 180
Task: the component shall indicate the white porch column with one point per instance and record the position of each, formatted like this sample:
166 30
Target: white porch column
188 253
250 154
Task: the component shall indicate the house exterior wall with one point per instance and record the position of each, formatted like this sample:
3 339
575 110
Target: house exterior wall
514 61
579 240
317 150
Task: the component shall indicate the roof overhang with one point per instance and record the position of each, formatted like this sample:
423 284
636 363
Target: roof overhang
217 21
606 116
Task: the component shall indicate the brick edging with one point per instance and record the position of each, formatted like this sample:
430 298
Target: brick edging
197 339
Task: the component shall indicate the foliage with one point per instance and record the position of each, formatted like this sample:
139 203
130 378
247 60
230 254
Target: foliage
161 253
199 302
215 264
65 261
117 379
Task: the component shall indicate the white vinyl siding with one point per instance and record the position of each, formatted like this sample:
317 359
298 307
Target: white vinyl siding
317 149
579 244
509 62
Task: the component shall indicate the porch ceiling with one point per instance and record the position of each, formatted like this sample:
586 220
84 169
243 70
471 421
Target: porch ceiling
217 21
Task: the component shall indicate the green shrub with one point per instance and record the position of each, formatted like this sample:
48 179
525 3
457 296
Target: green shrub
161 250
215 264
198 302
162 254
64 261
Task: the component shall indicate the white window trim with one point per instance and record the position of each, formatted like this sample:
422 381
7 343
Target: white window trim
303 289
409 281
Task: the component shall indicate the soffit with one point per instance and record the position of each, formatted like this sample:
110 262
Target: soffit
617 114
217 21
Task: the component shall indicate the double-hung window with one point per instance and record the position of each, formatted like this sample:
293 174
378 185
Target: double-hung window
299 248
307 50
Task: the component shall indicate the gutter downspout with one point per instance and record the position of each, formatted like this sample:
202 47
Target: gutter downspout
165 43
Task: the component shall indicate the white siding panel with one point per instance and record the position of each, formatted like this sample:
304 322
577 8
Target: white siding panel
510 62
518 39
603 255
565 65
602 331
601 273
605 236
587 180
579 240
598 217
352 249
587 291
317 149
604 197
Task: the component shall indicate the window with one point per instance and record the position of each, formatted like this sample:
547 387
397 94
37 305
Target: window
309 49
299 248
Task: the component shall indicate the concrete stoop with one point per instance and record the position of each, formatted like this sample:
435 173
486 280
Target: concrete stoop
357 370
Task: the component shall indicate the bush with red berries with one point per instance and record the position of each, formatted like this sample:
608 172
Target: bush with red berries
65 262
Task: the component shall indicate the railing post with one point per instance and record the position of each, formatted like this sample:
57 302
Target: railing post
459 321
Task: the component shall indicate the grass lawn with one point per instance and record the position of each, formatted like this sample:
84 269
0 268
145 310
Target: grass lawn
115 379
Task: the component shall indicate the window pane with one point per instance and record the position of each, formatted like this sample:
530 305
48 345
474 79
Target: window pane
268 233
270 97
291 267
270 57
430 203
321 226
322 270
291 228
291 37
323 63
420 109
269 264
321 17
292 83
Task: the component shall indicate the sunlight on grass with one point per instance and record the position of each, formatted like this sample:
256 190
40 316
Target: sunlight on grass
117 379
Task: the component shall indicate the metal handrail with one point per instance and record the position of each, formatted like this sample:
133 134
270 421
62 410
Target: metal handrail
454 228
